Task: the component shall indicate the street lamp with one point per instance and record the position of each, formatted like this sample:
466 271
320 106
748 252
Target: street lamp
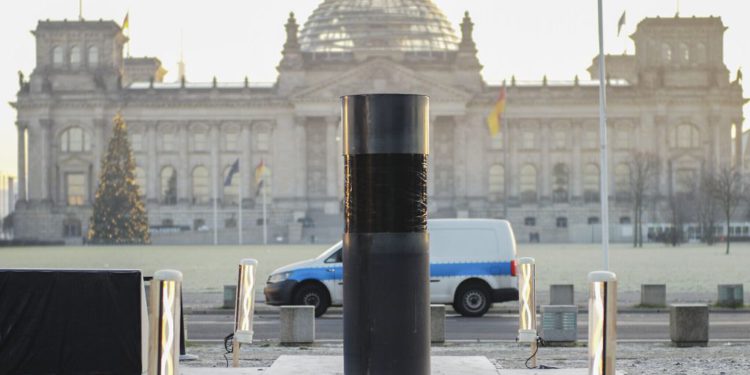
164 343
244 307
602 322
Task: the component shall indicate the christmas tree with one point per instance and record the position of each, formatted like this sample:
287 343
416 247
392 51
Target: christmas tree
119 215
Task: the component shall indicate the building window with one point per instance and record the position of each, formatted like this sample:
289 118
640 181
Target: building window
623 137
140 180
167 222
624 219
559 141
700 53
200 142
74 140
497 180
75 188
560 180
590 139
685 180
528 186
686 136
231 141
93 59
167 142
231 192
591 183
168 186
136 142
199 225
230 223
57 57
593 220
200 185
75 57
622 181
261 141
562 222
528 140
529 221
71 227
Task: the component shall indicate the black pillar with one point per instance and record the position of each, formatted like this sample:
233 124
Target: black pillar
386 258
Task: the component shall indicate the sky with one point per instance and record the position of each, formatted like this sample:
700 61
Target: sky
231 39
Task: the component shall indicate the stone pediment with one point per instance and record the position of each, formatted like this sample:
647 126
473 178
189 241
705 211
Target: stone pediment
380 76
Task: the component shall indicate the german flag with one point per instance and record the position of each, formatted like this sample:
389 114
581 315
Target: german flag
494 118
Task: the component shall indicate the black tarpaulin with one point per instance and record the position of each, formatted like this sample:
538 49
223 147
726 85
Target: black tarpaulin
70 322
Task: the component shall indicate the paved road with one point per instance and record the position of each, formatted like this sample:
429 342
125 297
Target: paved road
630 326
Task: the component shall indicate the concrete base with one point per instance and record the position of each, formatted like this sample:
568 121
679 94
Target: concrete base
653 295
297 325
688 324
334 365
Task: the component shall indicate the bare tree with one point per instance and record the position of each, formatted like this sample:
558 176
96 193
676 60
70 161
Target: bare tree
726 188
643 171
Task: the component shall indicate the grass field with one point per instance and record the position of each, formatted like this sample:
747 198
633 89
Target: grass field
688 268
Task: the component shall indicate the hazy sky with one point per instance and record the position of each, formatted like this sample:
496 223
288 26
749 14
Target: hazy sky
234 38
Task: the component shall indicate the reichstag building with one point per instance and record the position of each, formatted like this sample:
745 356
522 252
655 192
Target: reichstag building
673 97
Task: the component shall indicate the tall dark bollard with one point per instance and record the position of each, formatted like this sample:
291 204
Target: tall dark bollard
386 258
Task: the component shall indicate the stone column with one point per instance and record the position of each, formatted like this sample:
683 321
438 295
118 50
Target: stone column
44 133
546 168
184 173
331 156
153 174
738 151
246 162
215 165
576 170
21 127
300 132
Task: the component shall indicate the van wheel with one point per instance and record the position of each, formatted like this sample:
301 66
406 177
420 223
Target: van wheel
313 295
472 299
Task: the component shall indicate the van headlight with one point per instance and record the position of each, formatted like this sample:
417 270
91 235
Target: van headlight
278 277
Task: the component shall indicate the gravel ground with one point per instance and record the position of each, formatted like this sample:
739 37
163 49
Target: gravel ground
632 358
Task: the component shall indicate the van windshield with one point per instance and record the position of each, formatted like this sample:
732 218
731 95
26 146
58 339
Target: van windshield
330 250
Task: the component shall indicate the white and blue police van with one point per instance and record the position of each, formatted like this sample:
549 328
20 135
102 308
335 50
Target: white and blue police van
472 266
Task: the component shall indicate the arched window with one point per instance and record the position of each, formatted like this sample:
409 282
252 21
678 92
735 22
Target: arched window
622 181
666 52
93 59
591 183
140 180
168 186
231 191
57 57
200 185
74 139
75 188
497 180
687 136
528 186
75 56
560 180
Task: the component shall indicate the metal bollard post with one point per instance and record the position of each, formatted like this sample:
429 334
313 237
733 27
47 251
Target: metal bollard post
386 259
527 305
602 323
244 307
165 328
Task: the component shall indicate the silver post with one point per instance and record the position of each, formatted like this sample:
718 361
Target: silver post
604 186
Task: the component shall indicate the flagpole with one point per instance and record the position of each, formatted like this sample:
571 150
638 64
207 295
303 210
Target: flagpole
265 223
239 213
604 186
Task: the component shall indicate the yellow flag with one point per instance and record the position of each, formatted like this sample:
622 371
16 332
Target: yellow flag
260 172
494 118
126 22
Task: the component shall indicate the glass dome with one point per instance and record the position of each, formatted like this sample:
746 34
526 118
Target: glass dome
388 25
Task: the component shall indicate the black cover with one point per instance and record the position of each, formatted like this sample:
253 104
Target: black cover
70 322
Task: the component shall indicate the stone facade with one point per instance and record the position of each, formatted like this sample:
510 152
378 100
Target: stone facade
672 98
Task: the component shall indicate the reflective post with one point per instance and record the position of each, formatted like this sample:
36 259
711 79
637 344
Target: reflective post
244 307
602 323
527 304
165 328
386 258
